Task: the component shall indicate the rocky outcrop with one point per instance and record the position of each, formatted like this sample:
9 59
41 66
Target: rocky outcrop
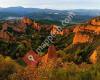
51 54
66 31
95 56
95 21
92 27
27 21
82 38
88 28
36 26
4 27
6 36
55 30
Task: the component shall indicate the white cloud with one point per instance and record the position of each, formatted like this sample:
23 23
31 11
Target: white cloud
54 4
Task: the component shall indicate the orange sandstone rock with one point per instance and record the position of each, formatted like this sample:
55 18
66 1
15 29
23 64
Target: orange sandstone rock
51 54
4 27
27 21
6 36
88 28
36 26
55 30
81 38
95 22
93 57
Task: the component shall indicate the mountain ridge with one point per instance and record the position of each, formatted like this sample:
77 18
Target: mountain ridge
50 14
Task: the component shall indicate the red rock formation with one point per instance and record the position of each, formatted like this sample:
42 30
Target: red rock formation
55 30
4 27
51 54
92 27
66 31
95 21
94 56
89 28
27 21
6 36
17 29
36 26
81 38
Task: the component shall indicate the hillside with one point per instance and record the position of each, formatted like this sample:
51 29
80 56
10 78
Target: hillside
81 15
71 51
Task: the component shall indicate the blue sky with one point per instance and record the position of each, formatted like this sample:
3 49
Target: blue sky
53 4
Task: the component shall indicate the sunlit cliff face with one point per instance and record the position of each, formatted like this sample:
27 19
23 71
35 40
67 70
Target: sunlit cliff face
89 28
27 21
6 36
80 38
92 27
95 56
4 27
95 22
55 31
36 26
51 54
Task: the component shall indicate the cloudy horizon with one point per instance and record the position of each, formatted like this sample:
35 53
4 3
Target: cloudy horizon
55 4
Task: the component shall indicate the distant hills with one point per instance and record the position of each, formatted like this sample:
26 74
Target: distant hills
58 15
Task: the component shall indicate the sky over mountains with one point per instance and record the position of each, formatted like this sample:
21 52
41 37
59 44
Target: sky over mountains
53 4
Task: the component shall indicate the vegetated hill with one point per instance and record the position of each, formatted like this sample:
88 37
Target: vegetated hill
68 57
58 15
17 37
86 40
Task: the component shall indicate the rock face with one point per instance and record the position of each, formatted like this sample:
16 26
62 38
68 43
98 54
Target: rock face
51 54
27 21
66 31
20 27
55 30
4 27
95 21
95 56
89 28
6 36
81 38
36 26
92 27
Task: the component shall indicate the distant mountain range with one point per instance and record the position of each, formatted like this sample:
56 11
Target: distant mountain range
58 15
